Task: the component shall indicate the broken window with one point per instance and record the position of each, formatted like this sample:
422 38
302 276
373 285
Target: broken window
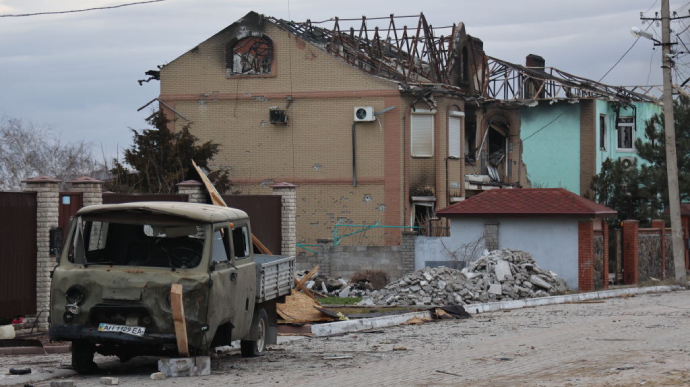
422 133
626 133
602 132
250 56
498 144
470 139
454 130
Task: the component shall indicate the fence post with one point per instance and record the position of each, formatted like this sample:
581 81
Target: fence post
91 189
47 214
194 190
408 251
585 256
661 226
288 213
631 248
324 253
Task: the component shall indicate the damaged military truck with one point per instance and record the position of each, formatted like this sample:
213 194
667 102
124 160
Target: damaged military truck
111 290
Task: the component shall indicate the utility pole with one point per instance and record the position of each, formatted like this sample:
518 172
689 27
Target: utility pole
671 159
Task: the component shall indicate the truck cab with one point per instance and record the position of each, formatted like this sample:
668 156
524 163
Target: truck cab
111 290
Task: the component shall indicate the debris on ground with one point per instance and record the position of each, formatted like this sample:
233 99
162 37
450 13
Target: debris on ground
20 371
500 275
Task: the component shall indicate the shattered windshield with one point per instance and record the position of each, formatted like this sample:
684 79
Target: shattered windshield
101 242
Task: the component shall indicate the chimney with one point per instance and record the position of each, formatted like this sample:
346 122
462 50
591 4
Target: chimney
535 61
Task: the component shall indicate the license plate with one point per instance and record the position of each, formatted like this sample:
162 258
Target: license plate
134 331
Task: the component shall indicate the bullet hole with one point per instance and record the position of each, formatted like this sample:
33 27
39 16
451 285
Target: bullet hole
317 167
367 198
381 207
263 124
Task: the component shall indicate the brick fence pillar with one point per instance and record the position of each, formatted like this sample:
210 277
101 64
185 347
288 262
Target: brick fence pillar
91 189
324 253
288 194
605 232
661 226
491 235
194 189
631 248
407 248
585 256
47 213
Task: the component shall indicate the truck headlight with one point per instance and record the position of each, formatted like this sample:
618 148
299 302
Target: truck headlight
75 295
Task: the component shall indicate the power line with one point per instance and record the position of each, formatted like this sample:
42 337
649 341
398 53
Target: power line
81 10
619 60
544 127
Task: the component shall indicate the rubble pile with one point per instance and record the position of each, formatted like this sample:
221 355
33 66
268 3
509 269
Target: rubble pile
337 287
500 275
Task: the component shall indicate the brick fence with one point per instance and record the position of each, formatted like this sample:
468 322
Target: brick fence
646 252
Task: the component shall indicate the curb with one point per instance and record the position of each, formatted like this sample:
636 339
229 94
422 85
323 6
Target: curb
34 350
387 321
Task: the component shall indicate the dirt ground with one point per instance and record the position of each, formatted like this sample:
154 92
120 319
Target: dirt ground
642 340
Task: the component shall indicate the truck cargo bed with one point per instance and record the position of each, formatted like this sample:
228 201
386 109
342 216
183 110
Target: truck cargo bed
274 276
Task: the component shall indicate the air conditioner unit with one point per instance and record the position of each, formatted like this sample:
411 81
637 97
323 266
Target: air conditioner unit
628 162
364 114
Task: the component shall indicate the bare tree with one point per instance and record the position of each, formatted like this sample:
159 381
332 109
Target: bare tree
466 252
27 150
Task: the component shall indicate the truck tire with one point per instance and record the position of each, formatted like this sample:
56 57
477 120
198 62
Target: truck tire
82 357
250 348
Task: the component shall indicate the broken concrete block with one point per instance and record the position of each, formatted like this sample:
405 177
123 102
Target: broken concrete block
344 293
158 376
496 289
185 366
6 332
62 383
502 271
536 280
109 381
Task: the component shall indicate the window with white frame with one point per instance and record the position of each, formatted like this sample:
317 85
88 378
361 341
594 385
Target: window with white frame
626 133
602 132
422 133
454 131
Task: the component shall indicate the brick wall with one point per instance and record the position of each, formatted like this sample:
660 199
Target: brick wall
588 145
195 191
491 235
585 253
288 194
47 200
343 261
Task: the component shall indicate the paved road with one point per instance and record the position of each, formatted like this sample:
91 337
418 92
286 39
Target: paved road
642 340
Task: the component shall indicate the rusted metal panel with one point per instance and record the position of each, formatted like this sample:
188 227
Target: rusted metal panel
116 198
17 254
265 214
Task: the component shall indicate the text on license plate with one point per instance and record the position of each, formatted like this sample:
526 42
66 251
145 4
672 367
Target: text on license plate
135 331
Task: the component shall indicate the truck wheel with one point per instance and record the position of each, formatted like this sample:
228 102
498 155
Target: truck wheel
82 357
256 348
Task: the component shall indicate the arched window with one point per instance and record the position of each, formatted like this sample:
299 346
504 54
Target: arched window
250 56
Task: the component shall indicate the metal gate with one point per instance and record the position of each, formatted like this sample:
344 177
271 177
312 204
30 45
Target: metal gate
17 254
116 198
70 203
265 214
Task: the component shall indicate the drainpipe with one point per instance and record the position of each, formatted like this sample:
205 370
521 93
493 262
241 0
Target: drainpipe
354 154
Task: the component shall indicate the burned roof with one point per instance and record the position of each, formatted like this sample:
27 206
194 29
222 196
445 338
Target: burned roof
425 60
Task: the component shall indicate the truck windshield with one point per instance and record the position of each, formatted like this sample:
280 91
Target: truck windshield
178 246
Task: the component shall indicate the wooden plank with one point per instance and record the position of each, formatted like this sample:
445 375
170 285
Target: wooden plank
218 201
299 308
311 273
178 318
305 290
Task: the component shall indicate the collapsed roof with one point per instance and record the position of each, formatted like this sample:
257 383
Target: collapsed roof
423 59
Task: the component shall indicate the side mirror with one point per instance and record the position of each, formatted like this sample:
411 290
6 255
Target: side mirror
56 242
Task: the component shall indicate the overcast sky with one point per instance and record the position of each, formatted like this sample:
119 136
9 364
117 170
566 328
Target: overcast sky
78 72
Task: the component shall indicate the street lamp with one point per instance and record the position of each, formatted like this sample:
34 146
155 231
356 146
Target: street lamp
670 141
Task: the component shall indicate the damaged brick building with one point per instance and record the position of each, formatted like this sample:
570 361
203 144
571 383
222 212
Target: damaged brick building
375 125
